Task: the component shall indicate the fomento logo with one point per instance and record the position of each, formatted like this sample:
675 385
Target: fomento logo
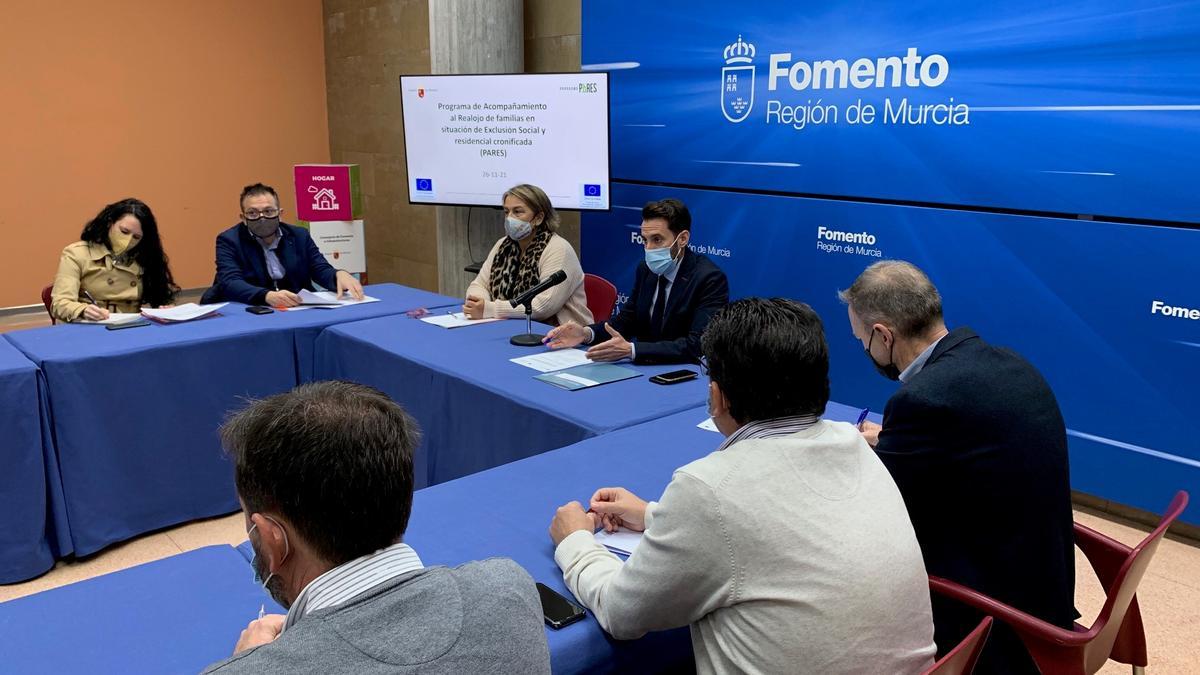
1160 307
737 81
911 70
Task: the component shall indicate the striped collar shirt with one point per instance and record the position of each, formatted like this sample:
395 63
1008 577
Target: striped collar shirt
346 582
774 428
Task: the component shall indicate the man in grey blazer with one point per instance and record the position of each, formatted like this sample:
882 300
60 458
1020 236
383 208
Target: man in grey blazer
325 477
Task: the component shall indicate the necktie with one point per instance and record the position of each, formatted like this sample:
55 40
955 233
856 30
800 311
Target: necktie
660 308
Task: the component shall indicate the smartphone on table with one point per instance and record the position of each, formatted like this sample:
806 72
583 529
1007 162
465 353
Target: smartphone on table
674 377
557 610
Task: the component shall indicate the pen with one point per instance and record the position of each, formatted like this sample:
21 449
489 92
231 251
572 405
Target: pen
88 296
262 610
862 417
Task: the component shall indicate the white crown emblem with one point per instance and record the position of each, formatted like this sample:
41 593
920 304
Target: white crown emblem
739 52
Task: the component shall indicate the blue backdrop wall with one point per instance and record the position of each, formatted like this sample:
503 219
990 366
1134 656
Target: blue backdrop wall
1049 187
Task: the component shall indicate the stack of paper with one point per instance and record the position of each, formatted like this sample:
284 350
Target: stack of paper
188 312
454 320
114 319
622 542
327 300
548 362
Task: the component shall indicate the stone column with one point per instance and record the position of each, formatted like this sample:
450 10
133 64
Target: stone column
471 36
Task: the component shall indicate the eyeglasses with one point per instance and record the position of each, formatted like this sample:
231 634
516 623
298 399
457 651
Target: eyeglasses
704 365
255 214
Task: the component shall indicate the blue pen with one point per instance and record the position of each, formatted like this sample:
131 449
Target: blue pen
862 417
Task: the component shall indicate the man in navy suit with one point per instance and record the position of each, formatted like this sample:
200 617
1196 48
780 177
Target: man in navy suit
675 293
976 443
261 261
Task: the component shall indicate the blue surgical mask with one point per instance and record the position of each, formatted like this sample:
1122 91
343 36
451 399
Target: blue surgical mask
661 260
516 228
254 560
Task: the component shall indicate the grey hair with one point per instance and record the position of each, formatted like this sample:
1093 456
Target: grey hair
895 293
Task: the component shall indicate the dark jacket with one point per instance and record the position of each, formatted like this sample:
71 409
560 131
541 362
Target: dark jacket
978 448
700 289
242 274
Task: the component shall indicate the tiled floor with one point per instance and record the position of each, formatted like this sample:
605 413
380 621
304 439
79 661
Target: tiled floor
1169 595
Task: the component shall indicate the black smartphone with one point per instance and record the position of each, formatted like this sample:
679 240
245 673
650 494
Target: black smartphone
558 610
258 309
128 324
674 377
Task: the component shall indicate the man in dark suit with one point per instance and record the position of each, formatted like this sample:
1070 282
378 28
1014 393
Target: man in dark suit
261 261
675 293
976 443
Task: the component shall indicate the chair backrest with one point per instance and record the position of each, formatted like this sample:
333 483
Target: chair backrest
601 297
46 293
961 660
1108 622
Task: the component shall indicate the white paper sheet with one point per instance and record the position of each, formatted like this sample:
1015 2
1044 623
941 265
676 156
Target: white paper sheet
552 360
185 312
623 541
328 300
454 320
113 319
709 425
577 379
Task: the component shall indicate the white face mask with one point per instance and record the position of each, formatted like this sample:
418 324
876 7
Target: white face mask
516 228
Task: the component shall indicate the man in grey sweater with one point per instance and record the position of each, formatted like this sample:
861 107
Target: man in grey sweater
788 550
325 477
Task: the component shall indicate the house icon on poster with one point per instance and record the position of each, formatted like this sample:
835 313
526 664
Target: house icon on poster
323 199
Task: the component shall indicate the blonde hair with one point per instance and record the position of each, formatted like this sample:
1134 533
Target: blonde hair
535 198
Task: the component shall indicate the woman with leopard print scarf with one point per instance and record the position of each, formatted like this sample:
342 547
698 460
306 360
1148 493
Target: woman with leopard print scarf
529 252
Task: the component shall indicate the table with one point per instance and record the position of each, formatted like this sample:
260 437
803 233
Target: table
476 409
506 512
33 523
175 615
135 412
184 612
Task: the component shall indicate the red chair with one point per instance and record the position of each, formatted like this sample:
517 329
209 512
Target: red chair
601 297
1116 634
961 660
46 293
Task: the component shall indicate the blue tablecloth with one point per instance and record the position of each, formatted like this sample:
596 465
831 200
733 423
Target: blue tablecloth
33 521
135 412
179 614
175 615
506 512
476 409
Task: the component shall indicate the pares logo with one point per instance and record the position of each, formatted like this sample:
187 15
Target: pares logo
737 81
420 93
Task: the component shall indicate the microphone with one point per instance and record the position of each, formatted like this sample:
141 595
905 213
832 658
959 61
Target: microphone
527 297
528 338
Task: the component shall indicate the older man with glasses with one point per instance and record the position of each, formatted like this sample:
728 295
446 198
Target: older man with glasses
262 261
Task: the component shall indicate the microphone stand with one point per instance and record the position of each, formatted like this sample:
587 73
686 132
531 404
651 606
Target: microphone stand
528 338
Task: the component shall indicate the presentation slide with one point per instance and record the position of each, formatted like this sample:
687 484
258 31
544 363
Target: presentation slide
471 137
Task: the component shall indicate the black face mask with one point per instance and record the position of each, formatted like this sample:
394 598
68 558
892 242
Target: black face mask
890 371
263 227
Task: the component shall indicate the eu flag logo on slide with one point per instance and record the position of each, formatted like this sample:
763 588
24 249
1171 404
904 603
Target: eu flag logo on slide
424 185
737 81
591 190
